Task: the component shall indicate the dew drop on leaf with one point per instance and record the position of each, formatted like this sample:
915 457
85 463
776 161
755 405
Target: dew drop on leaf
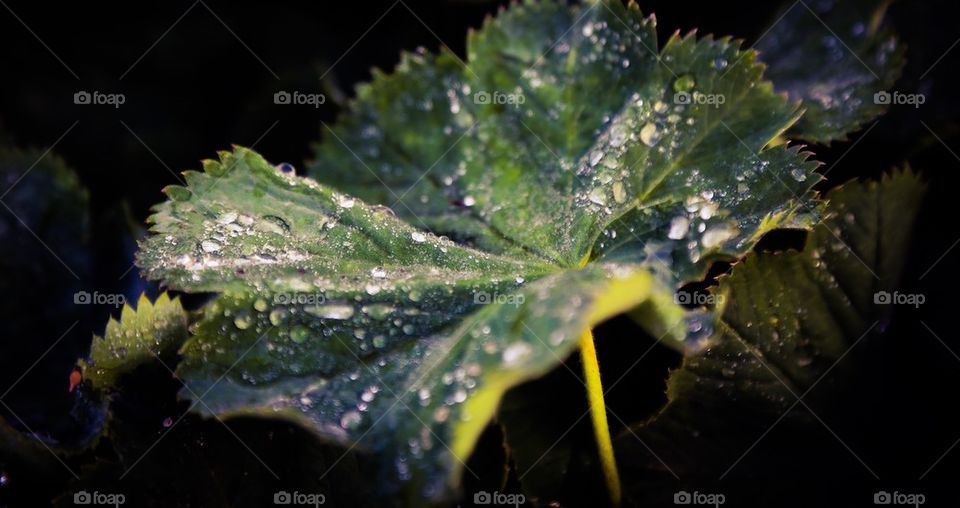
516 353
678 228
649 134
351 419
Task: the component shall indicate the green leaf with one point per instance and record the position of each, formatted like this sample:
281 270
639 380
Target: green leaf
789 317
151 331
372 332
600 156
833 56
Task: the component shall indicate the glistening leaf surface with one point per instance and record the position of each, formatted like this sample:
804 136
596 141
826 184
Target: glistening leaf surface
370 329
616 144
152 330
834 57
789 319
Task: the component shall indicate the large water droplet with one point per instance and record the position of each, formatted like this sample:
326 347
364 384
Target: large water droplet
516 353
351 419
331 311
678 228
649 134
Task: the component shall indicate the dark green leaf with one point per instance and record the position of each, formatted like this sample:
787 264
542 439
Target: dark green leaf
834 57
371 332
788 319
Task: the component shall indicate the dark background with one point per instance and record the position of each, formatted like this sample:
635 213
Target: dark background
200 77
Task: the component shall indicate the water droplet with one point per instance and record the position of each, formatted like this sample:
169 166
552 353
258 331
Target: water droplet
516 353
418 237
242 320
378 311
618 136
678 228
299 334
260 305
649 134
441 414
597 196
595 157
469 201
331 311
277 315
227 218
715 236
351 420
798 174
684 83
345 201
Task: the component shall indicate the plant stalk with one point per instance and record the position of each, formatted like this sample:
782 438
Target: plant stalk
598 414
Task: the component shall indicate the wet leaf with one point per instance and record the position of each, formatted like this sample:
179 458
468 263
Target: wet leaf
560 161
617 148
834 57
142 335
788 319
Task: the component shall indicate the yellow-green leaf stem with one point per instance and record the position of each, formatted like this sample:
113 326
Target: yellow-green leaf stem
598 414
